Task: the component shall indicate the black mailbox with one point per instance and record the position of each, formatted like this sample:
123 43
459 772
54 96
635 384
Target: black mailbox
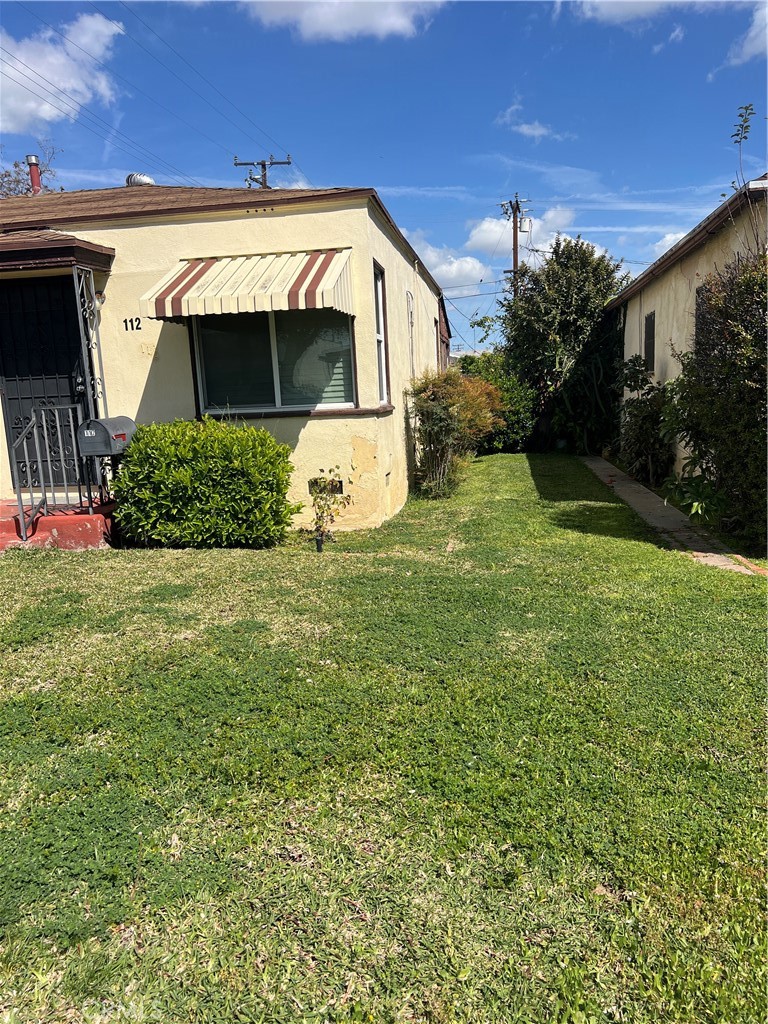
109 436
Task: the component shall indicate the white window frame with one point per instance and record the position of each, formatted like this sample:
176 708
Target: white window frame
278 408
381 333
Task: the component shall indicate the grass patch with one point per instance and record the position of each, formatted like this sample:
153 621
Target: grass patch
495 761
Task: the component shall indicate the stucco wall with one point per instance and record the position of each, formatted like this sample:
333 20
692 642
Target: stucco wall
412 309
672 296
149 372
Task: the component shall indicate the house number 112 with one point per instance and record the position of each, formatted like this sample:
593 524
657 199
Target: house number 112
132 324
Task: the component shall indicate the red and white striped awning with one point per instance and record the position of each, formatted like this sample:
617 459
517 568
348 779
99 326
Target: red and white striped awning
249 284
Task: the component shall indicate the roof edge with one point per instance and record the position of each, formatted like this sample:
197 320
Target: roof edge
420 265
712 222
250 199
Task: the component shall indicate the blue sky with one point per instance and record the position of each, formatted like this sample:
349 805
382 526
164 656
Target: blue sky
613 118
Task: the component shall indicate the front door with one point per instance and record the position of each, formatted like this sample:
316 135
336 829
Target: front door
41 366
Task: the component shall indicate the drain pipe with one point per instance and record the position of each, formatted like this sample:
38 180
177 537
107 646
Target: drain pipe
33 162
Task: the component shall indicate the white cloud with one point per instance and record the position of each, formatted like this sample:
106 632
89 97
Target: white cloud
670 239
537 131
618 12
511 114
494 234
448 268
340 20
533 130
290 180
676 36
511 117
459 193
64 65
622 12
563 177
753 42
491 235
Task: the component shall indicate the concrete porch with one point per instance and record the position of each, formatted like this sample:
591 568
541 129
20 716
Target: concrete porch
71 529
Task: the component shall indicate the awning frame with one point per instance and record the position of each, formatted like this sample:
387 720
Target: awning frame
313 279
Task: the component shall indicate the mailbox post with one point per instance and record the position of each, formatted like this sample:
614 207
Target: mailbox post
103 439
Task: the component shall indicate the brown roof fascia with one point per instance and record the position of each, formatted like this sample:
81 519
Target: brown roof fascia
152 201
43 254
147 201
705 229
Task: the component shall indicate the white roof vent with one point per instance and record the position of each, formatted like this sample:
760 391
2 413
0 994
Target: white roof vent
139 178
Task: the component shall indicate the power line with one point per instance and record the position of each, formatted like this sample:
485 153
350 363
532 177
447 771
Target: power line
207 81
85 111
183 81
473 295
473 284
168 69
465 315
67 113
101 64
467 343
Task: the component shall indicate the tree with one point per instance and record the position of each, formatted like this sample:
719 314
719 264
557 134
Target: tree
558 340
14 179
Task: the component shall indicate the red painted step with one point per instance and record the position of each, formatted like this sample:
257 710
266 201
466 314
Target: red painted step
72 529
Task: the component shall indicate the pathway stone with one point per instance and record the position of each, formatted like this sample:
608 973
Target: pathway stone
671 523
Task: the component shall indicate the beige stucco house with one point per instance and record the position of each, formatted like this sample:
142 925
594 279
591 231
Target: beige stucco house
659 304
305 311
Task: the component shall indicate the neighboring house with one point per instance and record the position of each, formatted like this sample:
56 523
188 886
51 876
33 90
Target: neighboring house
660 304
303 311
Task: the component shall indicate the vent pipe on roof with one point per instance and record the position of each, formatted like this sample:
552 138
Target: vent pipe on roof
139 178
33 162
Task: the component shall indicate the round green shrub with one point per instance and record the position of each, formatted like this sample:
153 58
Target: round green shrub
204 484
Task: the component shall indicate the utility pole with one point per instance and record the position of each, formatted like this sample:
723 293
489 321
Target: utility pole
513 211
261 179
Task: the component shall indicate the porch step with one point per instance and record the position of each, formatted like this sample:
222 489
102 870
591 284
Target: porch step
72 529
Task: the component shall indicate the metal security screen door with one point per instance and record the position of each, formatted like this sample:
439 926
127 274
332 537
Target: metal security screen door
42 366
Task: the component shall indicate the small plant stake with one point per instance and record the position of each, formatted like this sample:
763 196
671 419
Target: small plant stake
328 499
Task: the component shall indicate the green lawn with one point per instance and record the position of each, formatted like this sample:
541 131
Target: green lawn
497 761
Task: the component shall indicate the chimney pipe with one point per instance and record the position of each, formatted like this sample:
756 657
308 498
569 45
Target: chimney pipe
33 162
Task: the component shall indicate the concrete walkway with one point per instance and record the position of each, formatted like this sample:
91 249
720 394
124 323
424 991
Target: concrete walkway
669 522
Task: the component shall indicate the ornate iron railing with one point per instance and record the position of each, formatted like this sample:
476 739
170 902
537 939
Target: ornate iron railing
46 464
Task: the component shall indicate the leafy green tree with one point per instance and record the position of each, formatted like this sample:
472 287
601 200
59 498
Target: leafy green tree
558 340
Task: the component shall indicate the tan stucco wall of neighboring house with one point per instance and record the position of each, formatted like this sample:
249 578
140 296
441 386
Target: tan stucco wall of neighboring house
672 295
149 373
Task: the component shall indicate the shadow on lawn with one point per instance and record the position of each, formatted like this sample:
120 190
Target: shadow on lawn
588 506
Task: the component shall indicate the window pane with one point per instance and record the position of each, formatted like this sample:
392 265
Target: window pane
378 288
650 342
314 354
237 360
